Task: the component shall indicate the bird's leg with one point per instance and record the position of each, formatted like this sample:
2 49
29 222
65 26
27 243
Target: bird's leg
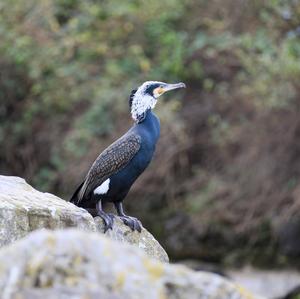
132 222
94 212
107 219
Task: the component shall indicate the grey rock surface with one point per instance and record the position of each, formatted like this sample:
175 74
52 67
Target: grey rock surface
269 283
24 209
143 240
75 264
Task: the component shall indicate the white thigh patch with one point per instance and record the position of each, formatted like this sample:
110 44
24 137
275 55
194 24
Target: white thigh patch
103 188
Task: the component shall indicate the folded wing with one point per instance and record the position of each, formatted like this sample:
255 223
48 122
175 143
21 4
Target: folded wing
110 161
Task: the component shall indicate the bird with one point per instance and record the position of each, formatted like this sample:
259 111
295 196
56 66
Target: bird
116 169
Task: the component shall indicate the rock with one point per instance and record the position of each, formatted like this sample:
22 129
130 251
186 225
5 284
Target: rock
24 209
143 240
76 264
63 293
269 283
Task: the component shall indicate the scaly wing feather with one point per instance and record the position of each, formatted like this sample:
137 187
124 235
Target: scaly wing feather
110 161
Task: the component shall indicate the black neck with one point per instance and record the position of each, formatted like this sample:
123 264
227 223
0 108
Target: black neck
142 117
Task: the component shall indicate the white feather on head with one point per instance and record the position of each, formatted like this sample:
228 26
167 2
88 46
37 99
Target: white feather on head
141 101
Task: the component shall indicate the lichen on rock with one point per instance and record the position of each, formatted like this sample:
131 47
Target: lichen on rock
23 209
143 240
84 265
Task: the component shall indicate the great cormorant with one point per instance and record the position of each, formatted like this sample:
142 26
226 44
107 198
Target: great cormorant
118 166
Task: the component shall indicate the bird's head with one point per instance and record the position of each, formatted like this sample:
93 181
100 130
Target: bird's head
145 97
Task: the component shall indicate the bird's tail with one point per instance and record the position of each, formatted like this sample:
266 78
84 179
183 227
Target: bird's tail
74 199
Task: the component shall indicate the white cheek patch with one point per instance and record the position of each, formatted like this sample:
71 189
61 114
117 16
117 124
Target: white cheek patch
141 101
140 104
103 188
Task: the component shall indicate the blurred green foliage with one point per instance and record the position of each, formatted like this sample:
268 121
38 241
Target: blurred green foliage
68 66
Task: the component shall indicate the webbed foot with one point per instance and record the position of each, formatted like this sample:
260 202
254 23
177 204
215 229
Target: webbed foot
108 219
132 222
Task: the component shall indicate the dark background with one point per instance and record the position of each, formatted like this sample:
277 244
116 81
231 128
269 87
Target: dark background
224 186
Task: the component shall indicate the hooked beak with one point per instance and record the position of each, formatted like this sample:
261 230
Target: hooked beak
168 87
